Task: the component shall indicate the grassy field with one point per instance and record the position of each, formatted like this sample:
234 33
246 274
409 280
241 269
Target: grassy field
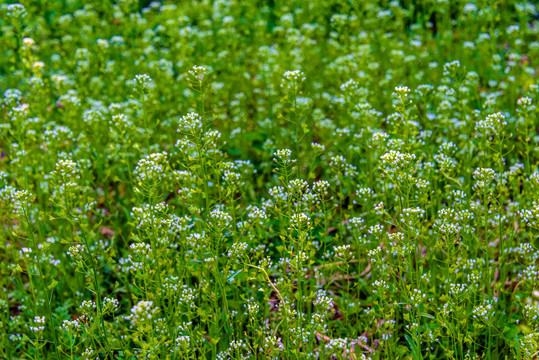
280 179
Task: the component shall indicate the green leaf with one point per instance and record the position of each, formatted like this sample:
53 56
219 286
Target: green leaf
511 331
535 243
53 284
231 277
413 347
224 321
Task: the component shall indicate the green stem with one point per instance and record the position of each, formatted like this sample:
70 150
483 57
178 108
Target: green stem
98 292
40 269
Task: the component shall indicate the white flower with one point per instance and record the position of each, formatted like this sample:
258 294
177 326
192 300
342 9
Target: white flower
292 79
152 168
143 83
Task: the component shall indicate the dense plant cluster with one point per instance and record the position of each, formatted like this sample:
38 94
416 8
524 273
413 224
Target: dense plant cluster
269 180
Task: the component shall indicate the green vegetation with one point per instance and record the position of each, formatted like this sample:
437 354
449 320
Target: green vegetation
269 180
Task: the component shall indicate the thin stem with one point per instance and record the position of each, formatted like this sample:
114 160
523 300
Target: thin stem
40 269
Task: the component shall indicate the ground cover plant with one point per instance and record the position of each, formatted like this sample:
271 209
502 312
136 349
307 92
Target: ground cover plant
269 180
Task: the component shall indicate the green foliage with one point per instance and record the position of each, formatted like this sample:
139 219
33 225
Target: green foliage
269 180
